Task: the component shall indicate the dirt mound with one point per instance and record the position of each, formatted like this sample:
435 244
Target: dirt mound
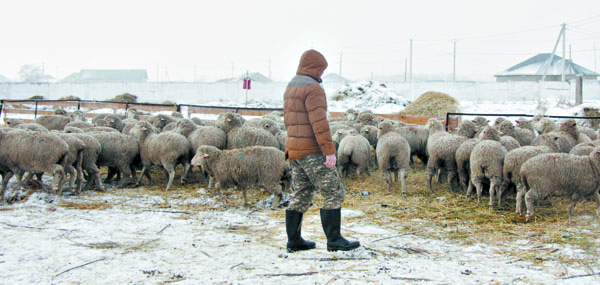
432 103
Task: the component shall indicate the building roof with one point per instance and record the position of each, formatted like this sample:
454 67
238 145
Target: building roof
536 66
108 75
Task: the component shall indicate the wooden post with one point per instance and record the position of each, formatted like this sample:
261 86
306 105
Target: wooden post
579 90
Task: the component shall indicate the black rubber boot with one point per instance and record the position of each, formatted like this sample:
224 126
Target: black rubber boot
293 227
330 219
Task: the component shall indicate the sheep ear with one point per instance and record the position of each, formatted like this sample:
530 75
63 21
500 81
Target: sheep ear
205 155
543 137
144 128
367 130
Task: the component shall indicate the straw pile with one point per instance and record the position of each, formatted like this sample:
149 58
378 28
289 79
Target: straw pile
432 103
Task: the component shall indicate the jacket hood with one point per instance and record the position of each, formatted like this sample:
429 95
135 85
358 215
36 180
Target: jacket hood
312 63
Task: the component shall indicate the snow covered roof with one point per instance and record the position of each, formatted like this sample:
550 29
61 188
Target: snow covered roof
536 66
102 75
255 76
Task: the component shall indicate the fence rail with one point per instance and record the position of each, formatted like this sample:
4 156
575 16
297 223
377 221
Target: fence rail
452 119
12 108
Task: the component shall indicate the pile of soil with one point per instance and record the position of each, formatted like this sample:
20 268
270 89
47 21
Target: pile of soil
432 103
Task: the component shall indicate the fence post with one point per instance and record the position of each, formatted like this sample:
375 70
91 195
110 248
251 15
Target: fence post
447 116
1 106
579 90
126 106
78 105
36 107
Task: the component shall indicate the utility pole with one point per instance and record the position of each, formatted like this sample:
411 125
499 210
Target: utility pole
595 56
405 66
411 61
549 60
341 64
564 32
454 64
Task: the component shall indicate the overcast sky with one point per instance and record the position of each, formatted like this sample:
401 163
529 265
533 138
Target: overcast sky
181 40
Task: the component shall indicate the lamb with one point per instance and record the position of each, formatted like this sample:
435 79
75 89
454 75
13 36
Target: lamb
160 121
117 151
132 113
354 150
165 149
416 136
523 136
487 162
77 116
513 161
543 125
256 165
20 153
480 122
499 121
53 122
113 121
562 174
393 155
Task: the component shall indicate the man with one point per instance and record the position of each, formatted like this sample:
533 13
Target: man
311 153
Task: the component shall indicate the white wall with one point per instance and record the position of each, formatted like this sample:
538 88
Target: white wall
203 93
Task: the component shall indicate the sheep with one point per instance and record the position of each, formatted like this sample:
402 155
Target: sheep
370 133
13 122
339 135
71 130
77 116
543 125
591 133
264 123
442 156
21 151
165 149
354 150
393 155
282 139
569 136
113 121
256 165
101 129
117 151
239 137
467 129
351 114
524 123
463 166
78 124
416 136
513 161
90 156
487 161
562 174
160 121
53 122
73 161
60 111
436 130
367 117
201 135
480 122
509 143
523 136
33 127
584 148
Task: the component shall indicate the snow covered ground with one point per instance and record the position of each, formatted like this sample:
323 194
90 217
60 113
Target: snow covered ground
189 237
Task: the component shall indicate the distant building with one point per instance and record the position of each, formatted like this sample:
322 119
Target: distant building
254 76
3 79
533 69
108 75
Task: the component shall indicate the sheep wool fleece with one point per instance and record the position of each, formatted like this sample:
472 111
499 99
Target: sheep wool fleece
310 174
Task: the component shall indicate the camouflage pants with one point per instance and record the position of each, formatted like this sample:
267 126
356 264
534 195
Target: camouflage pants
310 174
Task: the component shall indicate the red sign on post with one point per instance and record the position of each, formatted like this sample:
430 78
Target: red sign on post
247 83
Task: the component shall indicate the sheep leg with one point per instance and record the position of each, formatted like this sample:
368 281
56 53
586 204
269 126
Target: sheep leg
438 178
5 178
71 172
245 195
520 196
171 174
403 175
396 176
470 188
574 198
94 174
597 197
479 188
452 175
388 179
139 180
529 197
79 169
430 173
186 170
493 190
276 190
59 176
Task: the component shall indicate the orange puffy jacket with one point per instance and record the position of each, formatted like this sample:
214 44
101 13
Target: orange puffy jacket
305 110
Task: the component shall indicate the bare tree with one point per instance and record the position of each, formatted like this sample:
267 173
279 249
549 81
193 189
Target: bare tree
31 73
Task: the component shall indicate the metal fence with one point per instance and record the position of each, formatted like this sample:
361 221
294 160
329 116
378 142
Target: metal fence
453 119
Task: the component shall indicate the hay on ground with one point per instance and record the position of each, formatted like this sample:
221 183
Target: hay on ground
432 103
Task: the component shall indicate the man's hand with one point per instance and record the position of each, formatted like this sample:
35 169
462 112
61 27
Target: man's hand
330 161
